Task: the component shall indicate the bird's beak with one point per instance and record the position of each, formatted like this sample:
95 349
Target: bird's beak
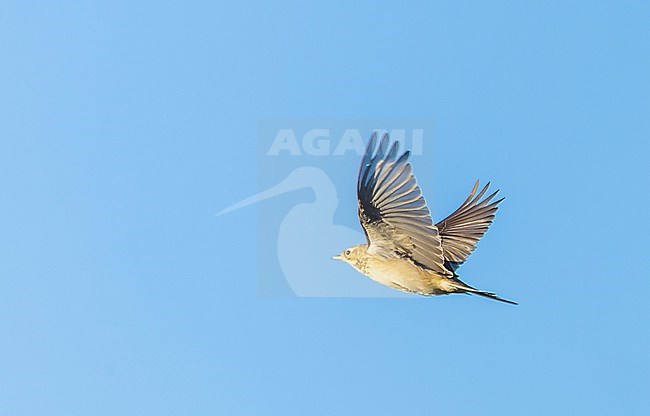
337 257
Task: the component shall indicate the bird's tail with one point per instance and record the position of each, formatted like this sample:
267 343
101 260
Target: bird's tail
468 289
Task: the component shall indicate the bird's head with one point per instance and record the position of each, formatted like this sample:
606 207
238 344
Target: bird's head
352 254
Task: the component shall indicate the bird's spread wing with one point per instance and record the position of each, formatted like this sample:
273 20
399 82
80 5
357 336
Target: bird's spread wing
392 211
462 229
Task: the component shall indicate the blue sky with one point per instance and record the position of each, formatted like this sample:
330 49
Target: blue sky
126 126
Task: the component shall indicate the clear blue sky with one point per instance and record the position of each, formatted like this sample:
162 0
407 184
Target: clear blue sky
126 126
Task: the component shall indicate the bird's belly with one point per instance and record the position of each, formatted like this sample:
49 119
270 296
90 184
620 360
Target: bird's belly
403 275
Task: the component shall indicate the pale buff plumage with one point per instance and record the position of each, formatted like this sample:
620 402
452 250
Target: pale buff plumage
396 272
405 250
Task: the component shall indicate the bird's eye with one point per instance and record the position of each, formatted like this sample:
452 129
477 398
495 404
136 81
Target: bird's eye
347 252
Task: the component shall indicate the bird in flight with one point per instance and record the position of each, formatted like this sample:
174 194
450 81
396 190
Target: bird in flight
405 250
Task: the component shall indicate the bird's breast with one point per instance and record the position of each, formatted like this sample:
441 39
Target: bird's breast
398 273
